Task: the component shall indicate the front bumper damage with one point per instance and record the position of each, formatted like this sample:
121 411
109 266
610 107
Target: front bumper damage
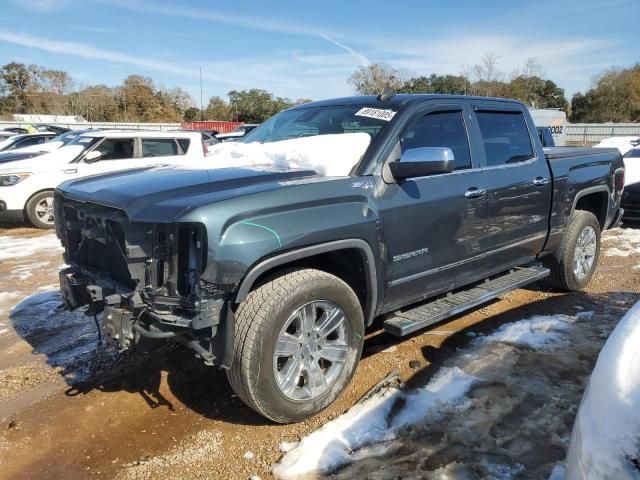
144 280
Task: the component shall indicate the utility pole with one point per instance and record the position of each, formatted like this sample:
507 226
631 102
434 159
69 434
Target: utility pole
201 110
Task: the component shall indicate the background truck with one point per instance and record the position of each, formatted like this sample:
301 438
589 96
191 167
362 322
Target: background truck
273 272
553 119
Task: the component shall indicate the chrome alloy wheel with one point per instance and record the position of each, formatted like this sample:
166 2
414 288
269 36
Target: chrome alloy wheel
311 350
44 210
585 252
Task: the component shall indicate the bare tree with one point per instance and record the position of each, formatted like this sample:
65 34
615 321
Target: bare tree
373 78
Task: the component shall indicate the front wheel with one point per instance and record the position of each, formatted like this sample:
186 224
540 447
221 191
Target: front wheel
578 253
298 341
39 210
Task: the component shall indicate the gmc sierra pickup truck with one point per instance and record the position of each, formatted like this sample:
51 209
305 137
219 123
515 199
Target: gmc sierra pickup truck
273 272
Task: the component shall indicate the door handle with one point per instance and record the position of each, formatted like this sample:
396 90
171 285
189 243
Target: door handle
474 192
539 181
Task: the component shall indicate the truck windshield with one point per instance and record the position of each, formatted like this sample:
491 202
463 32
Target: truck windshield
312 121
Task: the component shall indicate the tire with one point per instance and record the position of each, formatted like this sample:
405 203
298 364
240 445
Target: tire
565 273
277 310
39 210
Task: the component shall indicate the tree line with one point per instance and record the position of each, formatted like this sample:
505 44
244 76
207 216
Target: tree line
32 89
613 97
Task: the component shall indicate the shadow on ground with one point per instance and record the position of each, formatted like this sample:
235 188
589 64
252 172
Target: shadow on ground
68 340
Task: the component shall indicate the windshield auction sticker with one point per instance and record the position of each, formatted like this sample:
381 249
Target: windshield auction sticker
378 113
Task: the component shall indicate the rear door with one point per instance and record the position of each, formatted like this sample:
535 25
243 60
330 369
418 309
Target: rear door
518 184
433 225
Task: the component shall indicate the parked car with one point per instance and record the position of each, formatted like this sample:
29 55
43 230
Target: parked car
39 149
4 135
274 272
237 133
27 186
623 144
207 137
544 133
631 195
25 140
52 128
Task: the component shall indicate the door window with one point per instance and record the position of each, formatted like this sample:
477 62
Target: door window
29 141
440 129
116 148
160 147
505 137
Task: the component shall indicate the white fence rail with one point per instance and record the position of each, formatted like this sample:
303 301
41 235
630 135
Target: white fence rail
591 133
102 125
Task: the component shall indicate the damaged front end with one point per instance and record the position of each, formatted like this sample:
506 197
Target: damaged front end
145 279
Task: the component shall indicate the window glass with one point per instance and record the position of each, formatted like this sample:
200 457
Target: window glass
184 145
635 153
440 129
116 148
159 147
505 137
29 141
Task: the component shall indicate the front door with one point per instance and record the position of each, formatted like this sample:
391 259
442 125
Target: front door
432 225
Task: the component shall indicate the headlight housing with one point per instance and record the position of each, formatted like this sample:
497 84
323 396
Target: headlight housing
9 179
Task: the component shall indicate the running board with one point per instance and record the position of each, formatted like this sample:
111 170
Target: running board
409 321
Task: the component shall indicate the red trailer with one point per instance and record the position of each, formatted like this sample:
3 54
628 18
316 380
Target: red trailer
221 127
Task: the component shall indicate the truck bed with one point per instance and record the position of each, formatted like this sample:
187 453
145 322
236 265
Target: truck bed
553 153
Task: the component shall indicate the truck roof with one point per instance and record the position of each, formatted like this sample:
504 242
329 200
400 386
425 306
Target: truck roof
399 100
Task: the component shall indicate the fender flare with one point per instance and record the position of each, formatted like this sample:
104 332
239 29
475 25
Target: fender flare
282 259
588 191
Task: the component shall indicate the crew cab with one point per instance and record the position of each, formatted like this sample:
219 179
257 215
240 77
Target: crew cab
27 185
408 208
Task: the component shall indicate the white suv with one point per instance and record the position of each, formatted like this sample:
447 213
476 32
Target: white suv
27 186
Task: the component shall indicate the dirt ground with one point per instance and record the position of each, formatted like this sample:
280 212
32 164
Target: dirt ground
68 410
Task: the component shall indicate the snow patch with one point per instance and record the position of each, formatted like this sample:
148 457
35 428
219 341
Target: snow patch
628 240
336 443
330 155
20 247
537 333
606 433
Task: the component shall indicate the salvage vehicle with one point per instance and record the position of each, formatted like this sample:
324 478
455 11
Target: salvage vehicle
27 186
25 140
274 272
237 133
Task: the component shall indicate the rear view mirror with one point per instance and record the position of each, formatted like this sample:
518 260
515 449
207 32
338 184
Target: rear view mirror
422 161
92 156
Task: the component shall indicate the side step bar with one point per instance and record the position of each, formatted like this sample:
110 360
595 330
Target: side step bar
409 321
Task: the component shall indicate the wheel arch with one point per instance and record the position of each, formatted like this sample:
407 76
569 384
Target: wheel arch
329 257
595 200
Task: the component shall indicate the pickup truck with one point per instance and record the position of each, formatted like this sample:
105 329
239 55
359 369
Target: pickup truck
274 272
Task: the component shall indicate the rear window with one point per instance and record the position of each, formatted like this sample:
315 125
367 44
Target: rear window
159 147
505 137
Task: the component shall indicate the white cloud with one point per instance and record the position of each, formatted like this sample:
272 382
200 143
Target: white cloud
96 29
42 5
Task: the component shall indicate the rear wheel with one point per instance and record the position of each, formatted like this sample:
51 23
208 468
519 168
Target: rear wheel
579 253
39 210
298 341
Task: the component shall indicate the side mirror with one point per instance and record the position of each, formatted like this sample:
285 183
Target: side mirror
93 156
422 161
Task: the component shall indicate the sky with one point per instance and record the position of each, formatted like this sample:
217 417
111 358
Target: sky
305 49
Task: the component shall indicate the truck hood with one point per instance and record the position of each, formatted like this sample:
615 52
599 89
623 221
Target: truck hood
161 194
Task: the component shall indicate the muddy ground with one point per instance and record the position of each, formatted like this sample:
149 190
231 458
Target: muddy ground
69 410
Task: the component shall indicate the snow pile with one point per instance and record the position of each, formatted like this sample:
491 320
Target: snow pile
20 247
628 240
329 155
537 333
334 444
606 434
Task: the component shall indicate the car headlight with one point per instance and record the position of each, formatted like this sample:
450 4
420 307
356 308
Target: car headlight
12 178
